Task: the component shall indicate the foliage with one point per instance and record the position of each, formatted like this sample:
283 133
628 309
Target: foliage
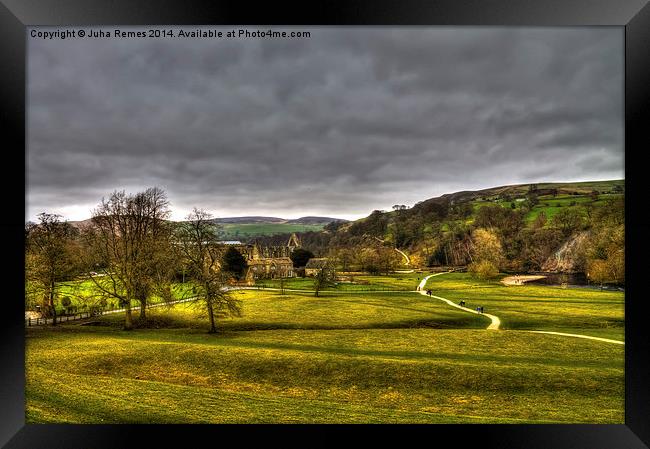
48 260
198 245
483 269
569 220
605 258
300 257
486 246
538 245
233 262
325 276
129 243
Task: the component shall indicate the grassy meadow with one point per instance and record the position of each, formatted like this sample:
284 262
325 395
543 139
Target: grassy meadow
246 230
345 357
394 282
539 307
84 294
548 204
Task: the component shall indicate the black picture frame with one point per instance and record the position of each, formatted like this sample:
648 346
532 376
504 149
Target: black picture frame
633 15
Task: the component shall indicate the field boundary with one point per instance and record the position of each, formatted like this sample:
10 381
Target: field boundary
494 324
84 315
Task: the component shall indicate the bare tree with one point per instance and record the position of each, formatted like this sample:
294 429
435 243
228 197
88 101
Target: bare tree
387 258
48 258
325 276
197 241
129 244
282 274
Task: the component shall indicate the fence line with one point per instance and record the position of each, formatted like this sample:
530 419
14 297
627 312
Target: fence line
81 315
377 288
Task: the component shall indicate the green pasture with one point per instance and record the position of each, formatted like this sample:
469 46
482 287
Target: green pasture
344 357
549 204
268 309
393 282
104 375
236 231
538 307
84 294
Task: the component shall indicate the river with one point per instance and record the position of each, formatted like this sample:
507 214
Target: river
572 280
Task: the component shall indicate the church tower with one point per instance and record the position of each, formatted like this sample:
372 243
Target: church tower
293 242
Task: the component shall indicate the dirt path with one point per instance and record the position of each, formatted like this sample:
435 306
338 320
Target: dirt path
588 337
494 325
496 322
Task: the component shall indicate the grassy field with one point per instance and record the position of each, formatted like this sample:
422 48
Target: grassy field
537 307
84 294
266 310
396 282
245 230
344 357
549 204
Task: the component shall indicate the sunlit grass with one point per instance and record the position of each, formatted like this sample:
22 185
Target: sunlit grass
393 282
264 309
538 307
377 375
343 357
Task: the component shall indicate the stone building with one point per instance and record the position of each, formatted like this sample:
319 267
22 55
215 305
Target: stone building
270 262
315 264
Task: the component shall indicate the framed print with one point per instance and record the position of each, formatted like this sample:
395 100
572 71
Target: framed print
325 217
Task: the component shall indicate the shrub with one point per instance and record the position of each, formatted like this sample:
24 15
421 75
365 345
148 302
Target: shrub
483 269
372 269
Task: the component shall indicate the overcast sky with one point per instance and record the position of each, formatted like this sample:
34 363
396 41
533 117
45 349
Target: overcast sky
339 124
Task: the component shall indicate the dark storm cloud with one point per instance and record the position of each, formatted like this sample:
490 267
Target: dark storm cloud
349 120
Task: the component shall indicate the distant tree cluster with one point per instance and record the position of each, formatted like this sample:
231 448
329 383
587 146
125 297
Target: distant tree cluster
131 253
451 231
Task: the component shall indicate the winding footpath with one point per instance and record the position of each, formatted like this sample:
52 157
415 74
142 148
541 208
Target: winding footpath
606 340
494 325
496 322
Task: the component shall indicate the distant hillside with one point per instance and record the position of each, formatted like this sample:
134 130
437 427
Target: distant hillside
256 219
543 226
315 220
521 190
550 197
237 228
250 220
81 224
244 228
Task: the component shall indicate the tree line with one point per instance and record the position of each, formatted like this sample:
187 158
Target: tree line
130 252
490 239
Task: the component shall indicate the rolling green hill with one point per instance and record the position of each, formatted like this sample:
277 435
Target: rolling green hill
237 231
345 357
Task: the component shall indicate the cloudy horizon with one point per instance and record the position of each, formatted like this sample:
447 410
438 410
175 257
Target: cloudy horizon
338 124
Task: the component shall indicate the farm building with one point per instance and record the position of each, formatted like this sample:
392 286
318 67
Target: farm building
315 264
